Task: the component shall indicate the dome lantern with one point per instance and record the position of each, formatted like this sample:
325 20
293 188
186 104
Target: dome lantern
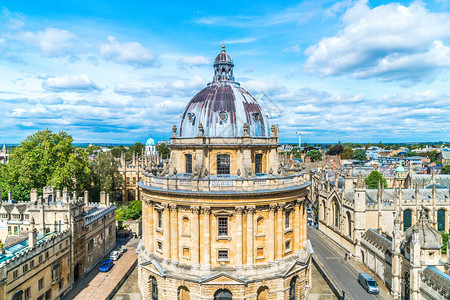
223 66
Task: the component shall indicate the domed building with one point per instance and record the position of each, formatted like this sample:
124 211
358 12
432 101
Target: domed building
150 147
224 219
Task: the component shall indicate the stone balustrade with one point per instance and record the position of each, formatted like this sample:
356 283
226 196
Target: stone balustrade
226 183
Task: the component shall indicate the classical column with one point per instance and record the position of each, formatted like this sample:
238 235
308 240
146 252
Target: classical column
271 233
297 227
280 231
166 233
150 231
302 222
174 232
206 238
195 237
250 236
239 241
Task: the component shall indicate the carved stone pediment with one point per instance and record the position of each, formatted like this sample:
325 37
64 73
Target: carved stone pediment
222 278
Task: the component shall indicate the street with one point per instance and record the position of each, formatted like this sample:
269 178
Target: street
332 257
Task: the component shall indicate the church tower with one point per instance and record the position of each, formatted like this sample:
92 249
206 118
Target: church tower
360 208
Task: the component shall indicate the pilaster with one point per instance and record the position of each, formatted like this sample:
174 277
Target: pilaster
206 238
166 233
271 233
250 236
195 237
239 239
174 233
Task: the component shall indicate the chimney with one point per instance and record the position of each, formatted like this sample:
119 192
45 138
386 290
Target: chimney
32 235
86 197
33 195
9 195
107 199
74 196
102 197
58 194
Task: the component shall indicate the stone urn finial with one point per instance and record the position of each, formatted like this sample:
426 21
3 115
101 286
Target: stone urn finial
174 129
201 132
238 172
246 129
175 171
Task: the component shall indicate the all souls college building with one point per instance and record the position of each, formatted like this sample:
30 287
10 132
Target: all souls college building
224 220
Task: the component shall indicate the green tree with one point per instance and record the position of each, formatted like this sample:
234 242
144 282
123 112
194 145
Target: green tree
347 153
373 178
314 154
444 240
445 169
137 148
45 159
336 149
360 154
117 150
91 149
131 212
105 175
163 150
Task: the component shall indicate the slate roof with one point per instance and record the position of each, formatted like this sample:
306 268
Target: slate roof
377 239
439 280
425 179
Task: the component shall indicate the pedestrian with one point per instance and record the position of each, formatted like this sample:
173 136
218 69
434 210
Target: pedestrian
343 295
345 256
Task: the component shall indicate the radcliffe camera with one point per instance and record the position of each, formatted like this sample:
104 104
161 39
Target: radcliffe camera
224 151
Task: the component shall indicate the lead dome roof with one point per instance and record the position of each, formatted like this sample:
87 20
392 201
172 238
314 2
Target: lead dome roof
223 107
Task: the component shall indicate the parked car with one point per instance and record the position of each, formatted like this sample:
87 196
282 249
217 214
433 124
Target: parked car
106 265
368 283
123 249
114 255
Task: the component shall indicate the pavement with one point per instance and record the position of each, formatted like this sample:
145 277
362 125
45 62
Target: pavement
320 289
129 289
98 286
344 273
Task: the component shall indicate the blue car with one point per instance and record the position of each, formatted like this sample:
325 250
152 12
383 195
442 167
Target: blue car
106 265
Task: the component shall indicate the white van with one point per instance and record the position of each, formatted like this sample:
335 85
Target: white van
368 283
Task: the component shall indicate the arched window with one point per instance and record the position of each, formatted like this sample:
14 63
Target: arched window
406 219
223 294
223 164
91 245
336 213
188 158
322 209
258 163
18 295
183 293
154 288
441 220
349 224
427 214
292 287
263 293
186 226
260 226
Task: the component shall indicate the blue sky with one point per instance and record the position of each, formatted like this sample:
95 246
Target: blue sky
116 71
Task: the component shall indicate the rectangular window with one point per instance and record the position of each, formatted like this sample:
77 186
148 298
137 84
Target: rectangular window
259 252
186 253
41 297
40 258
28 293
223 254
223 164
16 230
160 219
160 245
258 163
61 284
25 268
287 245
188 158
31 264
41 284
287 215
223 226
15 274
46 255
9 230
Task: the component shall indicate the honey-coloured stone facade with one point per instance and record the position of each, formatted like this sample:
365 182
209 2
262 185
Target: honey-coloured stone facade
224 219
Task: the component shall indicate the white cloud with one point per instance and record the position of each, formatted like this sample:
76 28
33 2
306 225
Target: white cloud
195 83
12 20
390 42
131 53
131 90
270 86
294 48
70 83
52 42
191 61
